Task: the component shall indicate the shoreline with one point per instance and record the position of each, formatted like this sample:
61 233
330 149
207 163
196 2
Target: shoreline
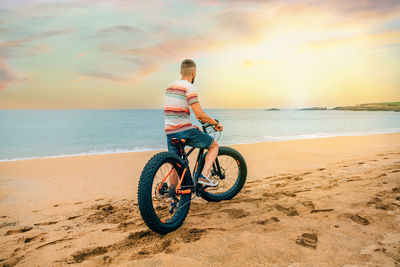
36 183
84 154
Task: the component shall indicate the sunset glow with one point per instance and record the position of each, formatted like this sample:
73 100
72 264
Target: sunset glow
250 54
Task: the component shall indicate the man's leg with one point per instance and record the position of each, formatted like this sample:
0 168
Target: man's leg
173 177
210 158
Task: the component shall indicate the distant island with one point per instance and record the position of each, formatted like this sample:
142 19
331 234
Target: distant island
384 106
388 106
315 108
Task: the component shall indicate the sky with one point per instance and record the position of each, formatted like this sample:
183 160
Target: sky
120 54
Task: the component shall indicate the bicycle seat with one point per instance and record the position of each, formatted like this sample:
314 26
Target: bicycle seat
176 141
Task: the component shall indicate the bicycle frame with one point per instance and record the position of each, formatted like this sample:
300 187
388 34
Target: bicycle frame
192 177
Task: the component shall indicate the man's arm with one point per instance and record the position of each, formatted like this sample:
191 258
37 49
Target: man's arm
201 115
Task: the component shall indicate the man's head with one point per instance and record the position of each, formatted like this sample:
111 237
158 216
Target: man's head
188 69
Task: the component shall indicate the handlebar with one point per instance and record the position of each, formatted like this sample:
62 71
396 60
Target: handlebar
207 125
213 130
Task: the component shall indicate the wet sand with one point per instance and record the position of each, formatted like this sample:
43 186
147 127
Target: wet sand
328 201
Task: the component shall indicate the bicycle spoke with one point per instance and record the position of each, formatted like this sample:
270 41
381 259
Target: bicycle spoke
160 197
230 169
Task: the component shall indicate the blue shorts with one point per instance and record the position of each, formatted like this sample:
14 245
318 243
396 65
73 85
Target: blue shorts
194 138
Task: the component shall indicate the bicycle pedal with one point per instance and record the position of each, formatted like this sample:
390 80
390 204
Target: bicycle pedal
164 189
172 206
183 187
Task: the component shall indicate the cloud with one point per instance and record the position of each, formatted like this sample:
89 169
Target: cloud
10 48
362 8
6 76
389 37
21 48
137 72
38 49
81 54
230 27
107 76
143 68
79 79
3 30
146 60
113 30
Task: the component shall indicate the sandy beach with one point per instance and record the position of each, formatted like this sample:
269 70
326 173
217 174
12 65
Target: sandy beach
312 202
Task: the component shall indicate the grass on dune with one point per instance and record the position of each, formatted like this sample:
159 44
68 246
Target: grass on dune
385 103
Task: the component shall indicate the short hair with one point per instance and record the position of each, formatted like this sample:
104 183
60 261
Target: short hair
187 67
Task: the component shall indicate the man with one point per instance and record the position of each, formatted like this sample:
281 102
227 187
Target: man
181 95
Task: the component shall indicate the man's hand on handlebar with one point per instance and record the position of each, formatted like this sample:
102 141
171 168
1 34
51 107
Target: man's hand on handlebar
218 127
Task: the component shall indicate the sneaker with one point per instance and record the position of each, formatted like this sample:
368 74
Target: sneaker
207 181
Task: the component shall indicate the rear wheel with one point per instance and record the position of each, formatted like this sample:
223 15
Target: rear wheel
156 193
233 175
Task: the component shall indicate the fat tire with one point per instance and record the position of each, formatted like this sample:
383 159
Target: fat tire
231 193
145 195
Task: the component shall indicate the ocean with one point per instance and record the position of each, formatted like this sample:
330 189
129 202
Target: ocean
26 134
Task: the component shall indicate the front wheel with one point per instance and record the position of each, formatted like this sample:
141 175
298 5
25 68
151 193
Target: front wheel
161 209
231 177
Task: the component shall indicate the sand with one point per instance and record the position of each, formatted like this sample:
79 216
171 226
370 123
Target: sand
315 202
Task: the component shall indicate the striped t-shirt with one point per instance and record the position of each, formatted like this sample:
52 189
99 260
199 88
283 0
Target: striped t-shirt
178 98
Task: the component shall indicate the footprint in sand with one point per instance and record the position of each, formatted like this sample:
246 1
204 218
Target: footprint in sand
126 226
114 213
375 200
236 213
45 223
289 194
321 210
308 204
280 185
290 211
384 206
307 240
358 219
33 238
54 242
19 230
74 217
271 195
141 244
84 254
8 224
192 234
264 222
